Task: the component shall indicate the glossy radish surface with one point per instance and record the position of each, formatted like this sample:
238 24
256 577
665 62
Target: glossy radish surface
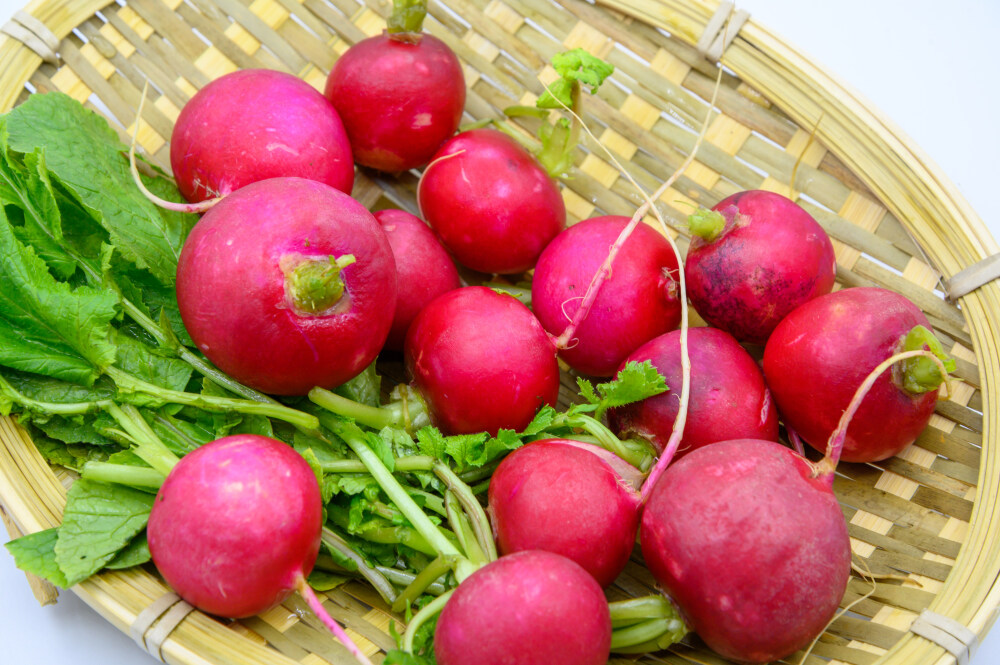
769 257
262 294
567 497
481 361
255 124
728 399
423 269
819 355
637 302
400 98
236 524
750 546
493 206
529 608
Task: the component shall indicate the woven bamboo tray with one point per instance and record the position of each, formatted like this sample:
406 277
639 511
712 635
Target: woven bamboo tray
927 521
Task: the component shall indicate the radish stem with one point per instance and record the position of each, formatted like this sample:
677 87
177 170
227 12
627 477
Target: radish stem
429 611
153 198
129 383
373 576
835 446
465 496
147 444
354 438
122 474
431 572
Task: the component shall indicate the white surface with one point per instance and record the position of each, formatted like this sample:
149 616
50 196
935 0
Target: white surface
924 65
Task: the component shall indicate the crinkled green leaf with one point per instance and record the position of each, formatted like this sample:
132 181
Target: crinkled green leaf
365 388
432 442
635 382
146 235
352 483
46 389
74 430
574 65
322 580
100 519
467 450
134 554
149 364
329 449
25 185
46 327
179 435
35 554
382 448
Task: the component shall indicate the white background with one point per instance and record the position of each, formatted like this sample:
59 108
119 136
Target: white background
929 65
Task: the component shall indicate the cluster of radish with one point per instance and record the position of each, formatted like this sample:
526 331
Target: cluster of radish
292 287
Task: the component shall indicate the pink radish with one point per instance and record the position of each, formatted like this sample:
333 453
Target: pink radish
423 269
817 357
753 261
748 541
255 124
481 362
638 301
284 285
751 546
400 94
491 203
567 497
529 608
235 528
728 398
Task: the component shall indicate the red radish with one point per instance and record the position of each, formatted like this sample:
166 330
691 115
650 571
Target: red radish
236 525
284 285
255 124
747 539
481 361
755 261
235 528
423 269
494 207
567 497
728 397
820 353
400 94
637 302
529 608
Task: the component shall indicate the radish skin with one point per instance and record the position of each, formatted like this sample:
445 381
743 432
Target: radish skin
765 256
491 203
255 124
423 269
819 355
481 362
729 399
751 545
638 301
244 305
564 497
529 608
400 97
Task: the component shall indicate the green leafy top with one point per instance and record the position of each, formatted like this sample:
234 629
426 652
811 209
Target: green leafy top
46 326
634 383
574 67
64 130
